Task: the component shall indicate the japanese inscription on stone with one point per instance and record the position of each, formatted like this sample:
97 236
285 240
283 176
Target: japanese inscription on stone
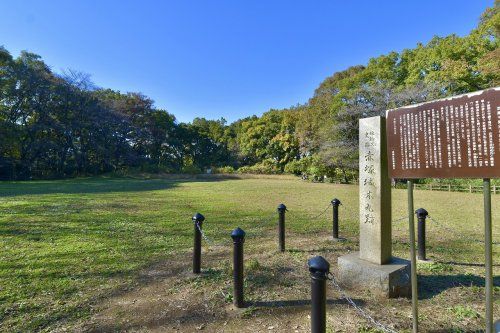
369 173
457 137
375 192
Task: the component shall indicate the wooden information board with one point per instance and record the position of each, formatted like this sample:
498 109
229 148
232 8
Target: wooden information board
456 137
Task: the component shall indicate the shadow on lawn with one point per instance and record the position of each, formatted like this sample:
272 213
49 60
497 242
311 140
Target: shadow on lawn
102 185
468 264
432 285
298 303
456 329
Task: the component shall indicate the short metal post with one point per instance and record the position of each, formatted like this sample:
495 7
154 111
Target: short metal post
488 255
335 203
238 236
319 269
421 216
281 226
198 221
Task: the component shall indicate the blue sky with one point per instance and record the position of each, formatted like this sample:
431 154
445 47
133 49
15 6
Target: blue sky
226 59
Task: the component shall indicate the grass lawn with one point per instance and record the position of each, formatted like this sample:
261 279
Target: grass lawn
69 246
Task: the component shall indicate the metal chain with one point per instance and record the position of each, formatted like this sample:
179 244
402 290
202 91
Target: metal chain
457 233
400 219
322 213
315 216
212 243
265 220
208 240
358 309
271 218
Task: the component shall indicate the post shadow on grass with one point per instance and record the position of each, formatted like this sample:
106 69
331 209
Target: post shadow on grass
299 303
467 264
452 329
327 248
432 285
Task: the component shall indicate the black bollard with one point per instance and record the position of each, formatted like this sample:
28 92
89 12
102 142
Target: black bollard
198 220
238 236
319 269
335 203
281 226
421 216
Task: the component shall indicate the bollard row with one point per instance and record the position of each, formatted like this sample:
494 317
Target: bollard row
319 267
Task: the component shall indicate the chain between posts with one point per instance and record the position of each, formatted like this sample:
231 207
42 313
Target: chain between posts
358 309
204 236
315 216
350 301
397 221
457 233
322 213
271 218
448 229
212 243
400 219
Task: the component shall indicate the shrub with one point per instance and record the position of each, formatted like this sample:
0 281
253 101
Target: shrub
244 169
224 169
267 166
298 167
155 168
315 169
190 169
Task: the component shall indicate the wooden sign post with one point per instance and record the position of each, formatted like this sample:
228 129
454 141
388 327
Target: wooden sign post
456 137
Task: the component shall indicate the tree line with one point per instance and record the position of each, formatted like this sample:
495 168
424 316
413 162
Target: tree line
61 125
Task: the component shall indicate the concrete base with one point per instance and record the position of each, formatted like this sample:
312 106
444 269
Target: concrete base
390 280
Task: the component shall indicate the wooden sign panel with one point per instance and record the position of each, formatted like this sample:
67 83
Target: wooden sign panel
456 137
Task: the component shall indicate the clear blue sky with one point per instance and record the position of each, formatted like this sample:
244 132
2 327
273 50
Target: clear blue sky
226 59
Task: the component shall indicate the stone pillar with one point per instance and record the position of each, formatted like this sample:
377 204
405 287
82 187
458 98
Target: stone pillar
374 193
373 267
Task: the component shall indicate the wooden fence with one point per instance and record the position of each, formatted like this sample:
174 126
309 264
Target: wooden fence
455 188
495 189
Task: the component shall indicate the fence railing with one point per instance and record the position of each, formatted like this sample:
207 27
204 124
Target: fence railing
455 188
495 189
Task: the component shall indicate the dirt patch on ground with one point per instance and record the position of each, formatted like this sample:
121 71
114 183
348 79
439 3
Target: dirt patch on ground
169 298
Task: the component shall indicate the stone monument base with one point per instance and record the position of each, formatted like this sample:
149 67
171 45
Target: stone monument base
390 280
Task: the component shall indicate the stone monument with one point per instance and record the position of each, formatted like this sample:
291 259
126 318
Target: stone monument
374 266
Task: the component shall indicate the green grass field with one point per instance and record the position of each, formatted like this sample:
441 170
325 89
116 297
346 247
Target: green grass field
67 245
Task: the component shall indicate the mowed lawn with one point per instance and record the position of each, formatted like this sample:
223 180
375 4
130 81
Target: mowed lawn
66 245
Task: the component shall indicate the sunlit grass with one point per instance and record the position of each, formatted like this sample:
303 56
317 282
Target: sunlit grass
66 244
